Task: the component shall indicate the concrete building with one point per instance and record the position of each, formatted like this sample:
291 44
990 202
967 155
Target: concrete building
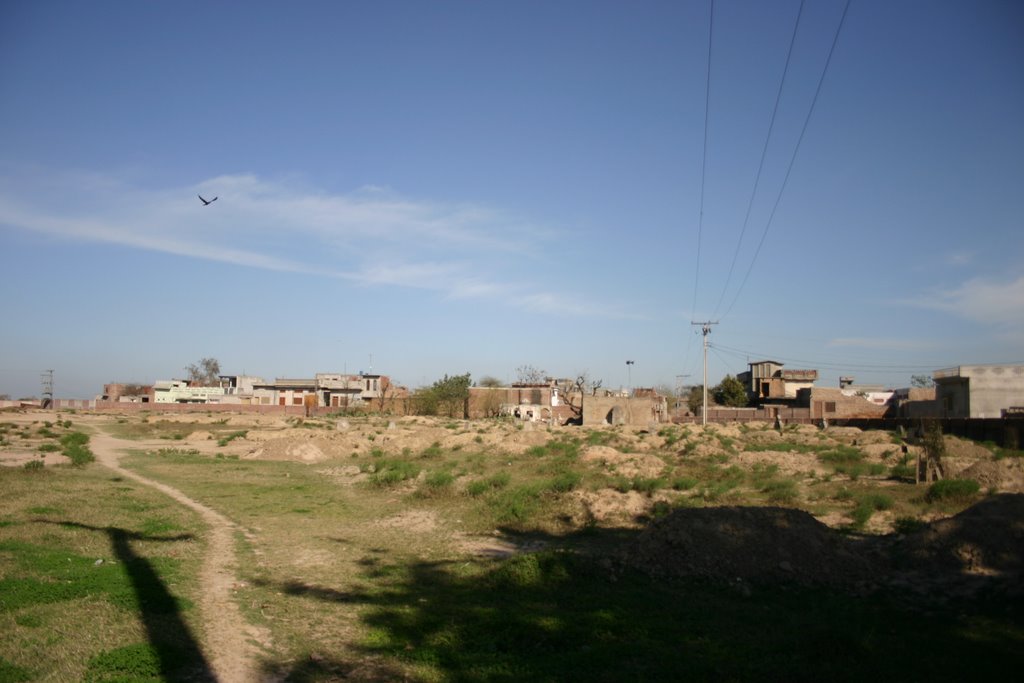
325 390
979 391
179 391
767 379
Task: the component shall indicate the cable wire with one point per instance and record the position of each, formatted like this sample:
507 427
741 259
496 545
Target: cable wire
792 160
764 153
704 161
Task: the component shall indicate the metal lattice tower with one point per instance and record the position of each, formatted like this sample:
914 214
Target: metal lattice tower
47 397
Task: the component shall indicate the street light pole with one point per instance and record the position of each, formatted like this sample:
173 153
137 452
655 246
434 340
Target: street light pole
629 376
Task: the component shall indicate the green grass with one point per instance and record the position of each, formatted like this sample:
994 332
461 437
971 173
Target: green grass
392 472
953 491
867 505
556 617
80 576
225 440
849 460
780 490
494 482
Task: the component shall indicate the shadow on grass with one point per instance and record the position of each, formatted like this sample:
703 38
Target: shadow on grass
177 653
560 615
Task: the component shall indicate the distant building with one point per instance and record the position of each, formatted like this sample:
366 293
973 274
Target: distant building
326 389
180 391
979 391
768 379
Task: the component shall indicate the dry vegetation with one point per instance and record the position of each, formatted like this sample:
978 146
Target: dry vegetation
376 548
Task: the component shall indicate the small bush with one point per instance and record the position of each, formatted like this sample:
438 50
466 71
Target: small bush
952 490
780 490
225 440
867 505
49 448
434 450
34 466
391 472
439 479
492 483
564 482
647 485
684 483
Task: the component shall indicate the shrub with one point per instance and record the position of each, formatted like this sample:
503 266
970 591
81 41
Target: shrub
952 490
49 448
564 481
780 490
439 479
647 485
434 450
391 472
492 483
515 505
867 505
225 440
684 483
34 466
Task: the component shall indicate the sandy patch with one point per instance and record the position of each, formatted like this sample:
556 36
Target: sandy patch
419 521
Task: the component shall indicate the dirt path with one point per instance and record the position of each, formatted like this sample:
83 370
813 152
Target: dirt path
228 638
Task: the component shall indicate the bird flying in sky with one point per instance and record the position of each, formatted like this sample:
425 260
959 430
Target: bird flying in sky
206 202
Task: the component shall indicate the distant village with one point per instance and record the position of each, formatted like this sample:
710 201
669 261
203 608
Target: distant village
774 393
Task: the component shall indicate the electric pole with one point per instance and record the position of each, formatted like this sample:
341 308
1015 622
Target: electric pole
705 328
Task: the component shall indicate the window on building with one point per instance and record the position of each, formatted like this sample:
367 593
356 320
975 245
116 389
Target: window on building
830 406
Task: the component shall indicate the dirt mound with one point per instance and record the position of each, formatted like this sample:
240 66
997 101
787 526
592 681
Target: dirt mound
964 448
1006 476
625 464
985 539
609 505
754 544
984 543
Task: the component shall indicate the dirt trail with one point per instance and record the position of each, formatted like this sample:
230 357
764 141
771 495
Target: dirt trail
227 636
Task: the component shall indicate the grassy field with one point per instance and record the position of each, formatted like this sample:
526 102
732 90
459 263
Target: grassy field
97 576
401 562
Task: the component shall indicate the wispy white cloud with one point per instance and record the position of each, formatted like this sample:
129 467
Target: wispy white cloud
370 237
998 303
960 258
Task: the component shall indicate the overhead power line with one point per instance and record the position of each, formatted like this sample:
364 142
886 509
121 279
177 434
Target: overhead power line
704 160
831 365
792 160
764 153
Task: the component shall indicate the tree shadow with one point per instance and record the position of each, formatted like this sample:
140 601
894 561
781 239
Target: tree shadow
567 613
179 653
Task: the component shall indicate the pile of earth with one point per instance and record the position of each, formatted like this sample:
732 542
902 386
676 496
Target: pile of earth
779 545
756 544
985 539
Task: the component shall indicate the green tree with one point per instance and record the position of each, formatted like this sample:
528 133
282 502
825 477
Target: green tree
490 382
730 392
452 395
921 382
695 398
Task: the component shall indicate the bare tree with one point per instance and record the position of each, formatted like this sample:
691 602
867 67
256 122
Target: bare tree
573 393
489 382
386 390
528 374
205 373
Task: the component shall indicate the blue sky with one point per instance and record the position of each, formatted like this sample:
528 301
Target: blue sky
453 187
